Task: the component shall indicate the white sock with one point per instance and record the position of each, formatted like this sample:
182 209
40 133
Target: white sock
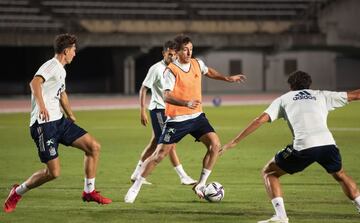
89 185
205 173
278 204
22 189
136 172
138 183
180 171
356 202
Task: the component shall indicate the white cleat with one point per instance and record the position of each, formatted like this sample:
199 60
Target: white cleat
133 179
147 182
356 206
187 180
199 190
275 219
131 195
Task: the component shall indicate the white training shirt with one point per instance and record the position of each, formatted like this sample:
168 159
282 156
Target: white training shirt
169 84
54 75
154 80
306 113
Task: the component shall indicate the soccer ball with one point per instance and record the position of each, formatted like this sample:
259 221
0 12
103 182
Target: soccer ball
216 101
214 192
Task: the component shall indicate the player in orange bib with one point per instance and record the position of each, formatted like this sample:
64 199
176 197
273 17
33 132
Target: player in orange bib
182 95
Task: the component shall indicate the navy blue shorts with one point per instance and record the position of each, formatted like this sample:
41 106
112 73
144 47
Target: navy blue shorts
158 119
174 131
292 161
48 135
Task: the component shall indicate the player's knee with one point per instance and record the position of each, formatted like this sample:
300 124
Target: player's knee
53 174
339 176
95 147
215 148
265 172
158 157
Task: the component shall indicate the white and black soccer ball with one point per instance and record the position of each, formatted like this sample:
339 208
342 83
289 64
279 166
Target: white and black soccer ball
214 192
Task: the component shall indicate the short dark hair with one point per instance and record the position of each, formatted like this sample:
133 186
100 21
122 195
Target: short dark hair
169 45
299 80
180 40
64 41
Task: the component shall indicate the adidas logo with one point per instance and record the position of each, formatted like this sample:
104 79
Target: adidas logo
303 95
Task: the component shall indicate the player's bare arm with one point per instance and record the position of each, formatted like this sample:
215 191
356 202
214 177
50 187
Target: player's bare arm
214 74
142 99
65 104
36 88
169 98
353 95
255 124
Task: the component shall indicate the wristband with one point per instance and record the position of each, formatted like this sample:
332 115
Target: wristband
189 104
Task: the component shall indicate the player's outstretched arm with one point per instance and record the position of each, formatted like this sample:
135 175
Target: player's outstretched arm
214 74
65 104
255 124
353 95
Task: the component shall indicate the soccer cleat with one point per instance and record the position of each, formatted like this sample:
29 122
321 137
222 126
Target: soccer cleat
147 182
275 219
356 206
12 200
187 180
95 196
131 195
133 177
199 190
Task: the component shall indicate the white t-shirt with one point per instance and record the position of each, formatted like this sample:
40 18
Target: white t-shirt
169 84
155 80
54 75
306 113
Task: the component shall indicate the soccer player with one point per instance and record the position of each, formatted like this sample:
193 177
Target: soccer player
306 112
182 96
49 127
154 81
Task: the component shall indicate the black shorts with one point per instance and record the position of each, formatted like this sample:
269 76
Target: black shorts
292 161
158 119
174 131
48 135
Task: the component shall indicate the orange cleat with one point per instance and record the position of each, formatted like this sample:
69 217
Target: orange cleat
96 197
12 200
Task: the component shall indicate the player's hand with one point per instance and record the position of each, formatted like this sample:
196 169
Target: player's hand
44 114
239 78
144 118
193 104
226 147
199 190
72 118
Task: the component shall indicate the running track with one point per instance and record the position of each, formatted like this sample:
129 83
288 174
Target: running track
102 102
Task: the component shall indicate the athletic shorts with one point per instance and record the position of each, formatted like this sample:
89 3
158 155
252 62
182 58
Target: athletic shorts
292 161
158 119
173 132
48 135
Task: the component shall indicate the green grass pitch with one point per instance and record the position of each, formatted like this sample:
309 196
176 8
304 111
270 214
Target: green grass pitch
310 196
